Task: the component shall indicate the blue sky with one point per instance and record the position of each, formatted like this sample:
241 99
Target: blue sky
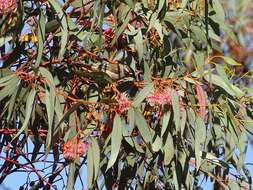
14 180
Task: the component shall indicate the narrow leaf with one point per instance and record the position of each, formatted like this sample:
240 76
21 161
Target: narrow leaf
115 140
29 108
143 127
142 94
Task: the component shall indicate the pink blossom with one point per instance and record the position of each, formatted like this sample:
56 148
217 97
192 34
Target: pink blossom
123 103
7 6
82 148
74 148
68 150
159 97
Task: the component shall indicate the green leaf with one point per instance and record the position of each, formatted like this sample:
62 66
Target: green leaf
230 89
161 4
59 110
9 88
96 156
130 3
183 121
165 122
127 137
233 185
168 149
176 110
12 104
199 33
50 102
157 145
52 25
68 113
122 27
200 59
242 145
229 31
200 137
220 14
116 139
142 94
146 180
247 124
64 26
71 176
90 166
139 45
41 37
7 79
222 74
211 158
4 39
231 61
29 108
131 119
48 75
147 73
77 3
70 134
143 127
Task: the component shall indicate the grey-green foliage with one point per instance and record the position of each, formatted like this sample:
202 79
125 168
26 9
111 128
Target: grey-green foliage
181 137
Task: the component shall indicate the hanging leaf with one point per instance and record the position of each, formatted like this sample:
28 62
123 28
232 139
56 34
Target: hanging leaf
176 110
50 102
71 176
143 127
117 132
96 156
29 108
168 149
41 38
139 44
166 119
230 89
64 27
157 144
200 137
90 166
231 61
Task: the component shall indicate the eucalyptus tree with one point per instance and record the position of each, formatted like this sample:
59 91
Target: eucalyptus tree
137 92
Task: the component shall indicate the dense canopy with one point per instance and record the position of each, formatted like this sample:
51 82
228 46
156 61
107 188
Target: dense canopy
140 93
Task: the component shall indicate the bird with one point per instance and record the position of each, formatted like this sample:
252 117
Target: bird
116 72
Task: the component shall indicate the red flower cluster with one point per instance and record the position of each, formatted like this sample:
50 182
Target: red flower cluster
123 103
7 6
159 97
109 35
74 148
